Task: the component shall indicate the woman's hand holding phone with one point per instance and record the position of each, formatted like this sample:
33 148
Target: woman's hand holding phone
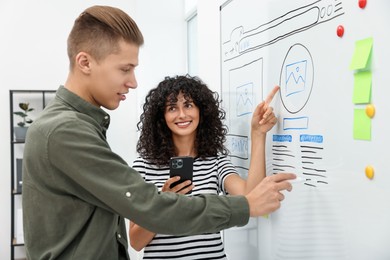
182 188
182 167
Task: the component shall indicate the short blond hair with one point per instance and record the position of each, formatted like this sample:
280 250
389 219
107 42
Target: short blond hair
98 31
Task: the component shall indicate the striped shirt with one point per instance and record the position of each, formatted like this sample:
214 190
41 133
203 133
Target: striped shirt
208 178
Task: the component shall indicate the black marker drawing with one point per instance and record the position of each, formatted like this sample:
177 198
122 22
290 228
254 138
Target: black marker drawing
295 21
296 79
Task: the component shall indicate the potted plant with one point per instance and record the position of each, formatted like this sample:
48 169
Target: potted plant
21 130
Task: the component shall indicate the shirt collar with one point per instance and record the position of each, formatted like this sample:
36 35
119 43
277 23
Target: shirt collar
79 104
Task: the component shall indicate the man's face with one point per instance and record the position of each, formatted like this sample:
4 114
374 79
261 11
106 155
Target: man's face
113 76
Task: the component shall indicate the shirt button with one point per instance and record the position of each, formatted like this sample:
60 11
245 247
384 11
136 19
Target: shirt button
119 236
106 117
128 194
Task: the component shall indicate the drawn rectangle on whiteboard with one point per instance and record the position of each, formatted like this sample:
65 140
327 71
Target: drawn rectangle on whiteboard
244 101
237 146
244 82
295 77
295 123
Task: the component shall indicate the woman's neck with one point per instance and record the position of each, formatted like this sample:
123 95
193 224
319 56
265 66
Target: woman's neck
185 146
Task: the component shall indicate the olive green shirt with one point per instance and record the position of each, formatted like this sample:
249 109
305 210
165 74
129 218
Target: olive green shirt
77 192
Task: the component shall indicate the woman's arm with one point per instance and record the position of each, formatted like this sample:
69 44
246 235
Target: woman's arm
140 237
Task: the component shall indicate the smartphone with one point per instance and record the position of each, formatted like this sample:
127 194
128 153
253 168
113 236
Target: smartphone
181 166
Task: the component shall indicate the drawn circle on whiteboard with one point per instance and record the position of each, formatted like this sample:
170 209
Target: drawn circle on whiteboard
296 78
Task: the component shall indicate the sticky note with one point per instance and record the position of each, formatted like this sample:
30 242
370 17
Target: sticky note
361 125
362 87
361 54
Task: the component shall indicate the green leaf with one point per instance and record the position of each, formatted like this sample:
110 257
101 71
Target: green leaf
21 114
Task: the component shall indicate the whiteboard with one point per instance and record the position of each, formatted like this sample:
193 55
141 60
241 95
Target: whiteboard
323 133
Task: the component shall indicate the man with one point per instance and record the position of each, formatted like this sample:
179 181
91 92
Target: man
76 191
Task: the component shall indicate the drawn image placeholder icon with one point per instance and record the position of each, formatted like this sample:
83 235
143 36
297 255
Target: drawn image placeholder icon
296 78
245 99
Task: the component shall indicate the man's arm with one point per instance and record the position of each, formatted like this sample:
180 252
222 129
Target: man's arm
104 180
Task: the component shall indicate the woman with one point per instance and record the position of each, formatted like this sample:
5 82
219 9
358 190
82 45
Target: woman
183 117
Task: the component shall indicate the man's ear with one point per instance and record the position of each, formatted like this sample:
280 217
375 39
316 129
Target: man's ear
83 62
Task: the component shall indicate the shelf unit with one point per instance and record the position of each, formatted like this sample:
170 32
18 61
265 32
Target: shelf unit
37 99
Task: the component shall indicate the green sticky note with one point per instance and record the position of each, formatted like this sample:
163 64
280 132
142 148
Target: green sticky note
361 125
361 54
362 87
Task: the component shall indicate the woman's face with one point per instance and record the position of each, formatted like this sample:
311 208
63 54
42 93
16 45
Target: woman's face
182 117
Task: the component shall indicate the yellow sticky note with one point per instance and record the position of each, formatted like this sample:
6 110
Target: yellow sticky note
361 54
361 125
362 87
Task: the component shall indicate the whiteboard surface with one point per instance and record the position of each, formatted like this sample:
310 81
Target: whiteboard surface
337 213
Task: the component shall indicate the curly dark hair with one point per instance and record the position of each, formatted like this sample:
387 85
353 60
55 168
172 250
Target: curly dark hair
155 142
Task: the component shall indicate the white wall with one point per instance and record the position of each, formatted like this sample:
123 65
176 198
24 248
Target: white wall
209 42
33 56
164 53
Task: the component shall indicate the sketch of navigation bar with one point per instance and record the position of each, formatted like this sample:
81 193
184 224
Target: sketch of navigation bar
292 22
